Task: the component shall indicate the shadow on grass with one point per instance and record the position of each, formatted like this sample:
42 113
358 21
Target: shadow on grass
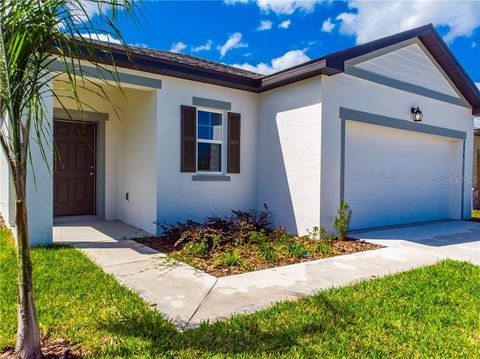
274 332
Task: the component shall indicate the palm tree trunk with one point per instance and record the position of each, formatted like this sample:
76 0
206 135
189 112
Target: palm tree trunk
28 336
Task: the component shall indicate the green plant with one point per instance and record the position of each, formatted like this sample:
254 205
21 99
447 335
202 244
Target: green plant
258 237
196 248
267 252
297 250
285 237
235 229
342 220
216 239
323 247
113 322
233 258
33 36
320 234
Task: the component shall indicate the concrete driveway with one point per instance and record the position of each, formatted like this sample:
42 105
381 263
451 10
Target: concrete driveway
458 240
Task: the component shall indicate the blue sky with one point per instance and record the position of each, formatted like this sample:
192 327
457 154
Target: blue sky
269 35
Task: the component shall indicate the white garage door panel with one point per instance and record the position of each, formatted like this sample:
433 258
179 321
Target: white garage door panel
392 176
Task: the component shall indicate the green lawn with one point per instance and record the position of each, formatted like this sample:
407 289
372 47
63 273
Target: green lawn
429 312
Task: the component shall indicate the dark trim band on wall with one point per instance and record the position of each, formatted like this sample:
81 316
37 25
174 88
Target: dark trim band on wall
346 114
404 86
210 178
89 71
206 102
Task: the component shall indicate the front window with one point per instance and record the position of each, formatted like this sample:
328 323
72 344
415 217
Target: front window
209 141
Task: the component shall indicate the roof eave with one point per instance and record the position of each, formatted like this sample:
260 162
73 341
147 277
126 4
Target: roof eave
164 67
294 74
329 65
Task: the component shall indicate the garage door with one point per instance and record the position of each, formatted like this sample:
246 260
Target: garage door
396 176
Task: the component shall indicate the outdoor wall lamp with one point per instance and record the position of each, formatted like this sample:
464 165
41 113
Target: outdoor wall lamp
417 115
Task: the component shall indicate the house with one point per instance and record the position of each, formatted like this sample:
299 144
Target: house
476 169
189 138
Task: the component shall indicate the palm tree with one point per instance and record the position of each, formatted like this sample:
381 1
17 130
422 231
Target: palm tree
33 34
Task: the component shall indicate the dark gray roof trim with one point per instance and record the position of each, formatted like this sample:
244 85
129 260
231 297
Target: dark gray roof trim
197 69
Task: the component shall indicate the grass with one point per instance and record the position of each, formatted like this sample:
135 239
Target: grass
428 312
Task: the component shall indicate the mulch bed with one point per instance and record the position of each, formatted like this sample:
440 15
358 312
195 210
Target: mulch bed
249 254
58 349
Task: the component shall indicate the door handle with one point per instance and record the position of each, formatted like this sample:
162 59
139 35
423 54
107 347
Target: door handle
91 173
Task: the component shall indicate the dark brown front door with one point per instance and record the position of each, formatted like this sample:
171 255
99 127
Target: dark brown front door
74 171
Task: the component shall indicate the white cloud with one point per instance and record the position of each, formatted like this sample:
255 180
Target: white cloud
205 47
233 42
285 24
140 44
178 47
83 11
264 25
289 59
287 6
375 19
280 6
328 25
102 37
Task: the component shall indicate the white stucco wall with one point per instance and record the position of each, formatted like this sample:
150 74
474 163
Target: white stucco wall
39 190
39 184
130 157
347 91
290 152
137 160
289 132
179 198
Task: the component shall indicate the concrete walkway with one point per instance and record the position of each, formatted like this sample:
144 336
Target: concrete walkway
188 296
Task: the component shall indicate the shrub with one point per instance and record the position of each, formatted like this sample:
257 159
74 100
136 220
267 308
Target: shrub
257 237
342 220
197 248
267 252
297 250
232 258
323 247
320 234
219 231
212 237
254 218
280 234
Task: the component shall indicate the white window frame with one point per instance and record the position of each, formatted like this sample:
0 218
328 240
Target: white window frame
220 142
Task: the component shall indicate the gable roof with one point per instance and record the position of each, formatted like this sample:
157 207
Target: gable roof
198 69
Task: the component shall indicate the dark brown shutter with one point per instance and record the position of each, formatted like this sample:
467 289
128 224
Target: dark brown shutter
189 139
233 144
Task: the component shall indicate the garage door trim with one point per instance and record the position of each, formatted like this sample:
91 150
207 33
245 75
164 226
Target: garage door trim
347 114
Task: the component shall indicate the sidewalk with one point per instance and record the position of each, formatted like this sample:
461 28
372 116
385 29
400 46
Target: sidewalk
188 296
